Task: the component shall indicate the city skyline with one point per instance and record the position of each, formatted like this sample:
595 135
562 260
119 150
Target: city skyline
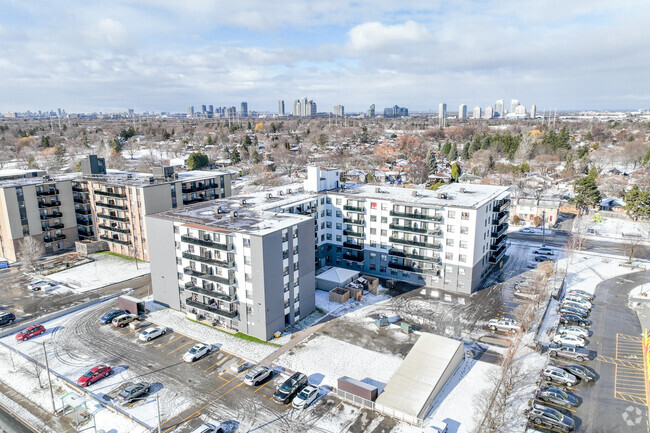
159 57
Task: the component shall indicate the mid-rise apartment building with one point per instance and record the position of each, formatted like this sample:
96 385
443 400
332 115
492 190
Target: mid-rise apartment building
449 239
59 210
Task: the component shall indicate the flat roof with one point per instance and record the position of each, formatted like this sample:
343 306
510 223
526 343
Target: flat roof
411 386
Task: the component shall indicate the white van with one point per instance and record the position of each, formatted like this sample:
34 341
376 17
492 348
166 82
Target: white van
123 320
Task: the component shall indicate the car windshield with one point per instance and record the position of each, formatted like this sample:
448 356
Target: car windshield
552 413
88 374
305 393
195 349
287 386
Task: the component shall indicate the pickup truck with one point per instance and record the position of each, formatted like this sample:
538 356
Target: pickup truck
504 325
570 352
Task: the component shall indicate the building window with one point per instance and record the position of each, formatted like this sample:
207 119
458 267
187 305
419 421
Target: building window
373 218
285 272
248 278
373 256
296 299
450 242
451 214
373 231
373 205
286 287
296 266
285 237
373 244
464 215
384 233
247 260
463 244
328 212
464 230
373 267
382 269
329 236
383 257
338 238
328 225
449 256
176 229
338 201
249 294
247 243
462 258
450 229
286 303
339 214
295 233
384 206
383 246
179 261
295 250
461 271
339 226
384 219
328 200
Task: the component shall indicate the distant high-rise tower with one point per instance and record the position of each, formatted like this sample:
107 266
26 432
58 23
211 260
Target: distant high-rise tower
281 107
533 111
210 109
297 111
203 109
498 108
190 111
462 111
231 111
339 111
520 110
371 111
244 109
489 112
477 112
513 105
442 114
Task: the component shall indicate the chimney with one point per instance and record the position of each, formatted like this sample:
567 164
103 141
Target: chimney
462 190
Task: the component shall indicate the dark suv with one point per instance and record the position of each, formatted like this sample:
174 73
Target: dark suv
289 388
132 392
7 319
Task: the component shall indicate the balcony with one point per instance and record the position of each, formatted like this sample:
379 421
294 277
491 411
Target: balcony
43 204
408 229
110 193
502 205
114 229
112 206
202 259
212 293
359 222
79 189
500 239
352 246
496 255
415 243
207 243
354 209
216 278
51 227
54 238
82 211
417 216
85 233
81 200
200 187
84 221
211 309
393 265
353 257
353 234
114 240
499 218
398 253
50 216
501 229
47 192
112 217
194 200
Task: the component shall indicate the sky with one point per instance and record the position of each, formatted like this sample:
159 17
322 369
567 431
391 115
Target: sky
166 55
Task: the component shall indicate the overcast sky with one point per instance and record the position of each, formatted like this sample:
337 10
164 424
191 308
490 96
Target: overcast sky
164 55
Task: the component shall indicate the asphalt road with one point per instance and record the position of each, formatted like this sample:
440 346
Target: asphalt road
9 424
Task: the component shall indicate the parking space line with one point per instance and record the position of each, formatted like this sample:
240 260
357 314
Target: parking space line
189 342
265 383
169 342
130 332
218 362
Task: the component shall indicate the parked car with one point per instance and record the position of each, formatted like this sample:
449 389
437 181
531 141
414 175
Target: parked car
151 333
289 388
40 285
570 340
557 375
575 311
578 300
7 318
197 352
570 352
30 332
557 396
572 319
208 428
108 317
123 320
544 251
581 293
580 371
573 330
526 230
132 392
577 305
546 416
306 397
257 375
94 374
505 325
543 259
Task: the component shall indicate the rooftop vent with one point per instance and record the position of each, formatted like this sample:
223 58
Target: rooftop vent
415 194
234 214
442 195
269 195
462 190
242 202
280 193
218 210
289 191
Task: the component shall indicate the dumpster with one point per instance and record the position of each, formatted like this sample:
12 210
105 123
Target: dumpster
406 327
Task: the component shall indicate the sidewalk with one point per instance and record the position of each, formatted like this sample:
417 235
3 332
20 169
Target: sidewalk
59 425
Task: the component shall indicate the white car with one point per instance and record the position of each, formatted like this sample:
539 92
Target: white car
527 230
573 304
305 397
197 352
40 285
151 333
208 428
581 293
576 331
257 375
578 300
568 340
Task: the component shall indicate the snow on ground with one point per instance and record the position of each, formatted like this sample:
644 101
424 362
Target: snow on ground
316 359
105 270
336 309
248 350
616 228
25 414
585 272
641 290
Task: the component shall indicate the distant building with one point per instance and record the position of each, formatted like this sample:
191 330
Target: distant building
396 111
513 105
244 109
203 109
190 111
339 111
533 111
488 113
442 114
231 111
304 107
520 110
477 112
498 108
462 111
210 109
281 107
371 111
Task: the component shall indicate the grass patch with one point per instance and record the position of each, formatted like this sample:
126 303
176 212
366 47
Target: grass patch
239 335
121 256
321 311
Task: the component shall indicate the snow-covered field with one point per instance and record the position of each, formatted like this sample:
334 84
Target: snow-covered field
105 270
617 228
325 360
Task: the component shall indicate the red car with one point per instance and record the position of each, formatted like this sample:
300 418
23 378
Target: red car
94 374
30 332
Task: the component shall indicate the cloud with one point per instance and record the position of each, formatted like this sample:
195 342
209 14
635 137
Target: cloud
109 33
376 36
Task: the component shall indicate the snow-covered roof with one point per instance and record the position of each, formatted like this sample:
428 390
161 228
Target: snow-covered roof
422 374
338 275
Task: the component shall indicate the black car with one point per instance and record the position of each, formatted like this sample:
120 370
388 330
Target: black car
108 317
580 371
557 396
7 319
543 259
289 388
132 392
565 309
572 319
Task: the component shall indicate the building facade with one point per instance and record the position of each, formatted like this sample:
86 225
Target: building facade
442 114
280 107
244 109
462 111
339 111
498 108
477 112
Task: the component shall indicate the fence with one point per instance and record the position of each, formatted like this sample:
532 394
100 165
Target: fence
383 410
646 365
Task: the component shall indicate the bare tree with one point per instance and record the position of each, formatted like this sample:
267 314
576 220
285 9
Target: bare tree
30 250
287 161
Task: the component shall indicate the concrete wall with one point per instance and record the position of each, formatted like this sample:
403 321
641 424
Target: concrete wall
164 278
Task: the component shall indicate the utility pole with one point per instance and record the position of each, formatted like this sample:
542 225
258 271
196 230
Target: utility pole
158 408
543 228
49 379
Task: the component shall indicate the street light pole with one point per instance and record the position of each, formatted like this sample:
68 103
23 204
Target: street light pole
543 228
158 408
49 379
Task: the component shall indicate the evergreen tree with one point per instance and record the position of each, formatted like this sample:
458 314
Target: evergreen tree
45 141
115 145
593 173
255 156
197 160
446 148
464 154
563 139
274 129
455 171
246 141
586 193
235 157
646 158
637 203
208 141
491 163
249 126
453 153
474 145
430 161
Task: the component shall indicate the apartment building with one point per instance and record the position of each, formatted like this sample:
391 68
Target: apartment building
233 264
59 210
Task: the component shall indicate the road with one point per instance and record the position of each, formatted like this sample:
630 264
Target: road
9 424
